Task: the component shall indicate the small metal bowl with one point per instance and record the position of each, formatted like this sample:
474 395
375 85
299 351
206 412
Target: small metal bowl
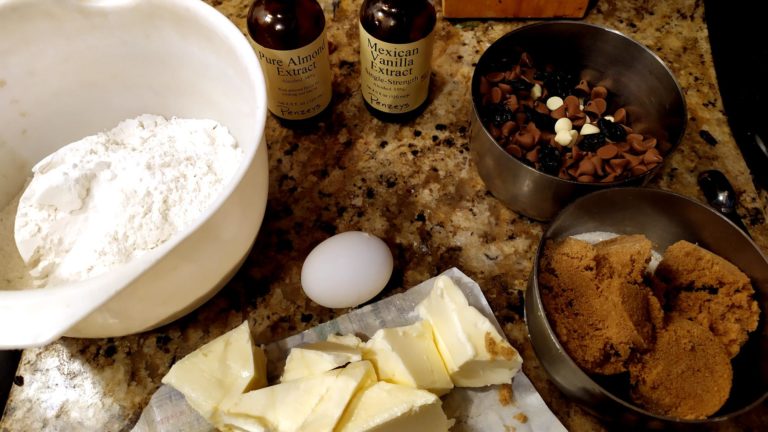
664 218
636 78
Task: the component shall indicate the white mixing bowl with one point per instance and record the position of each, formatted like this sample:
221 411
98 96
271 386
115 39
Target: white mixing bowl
71 68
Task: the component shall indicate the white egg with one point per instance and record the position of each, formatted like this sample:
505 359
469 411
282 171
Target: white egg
346 270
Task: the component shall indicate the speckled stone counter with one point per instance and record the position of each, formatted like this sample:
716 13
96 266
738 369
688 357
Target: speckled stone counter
415 186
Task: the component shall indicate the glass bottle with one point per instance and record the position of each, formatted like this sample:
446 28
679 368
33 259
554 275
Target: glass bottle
293 52
396 38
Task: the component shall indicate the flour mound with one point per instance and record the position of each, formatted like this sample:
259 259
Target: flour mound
111 197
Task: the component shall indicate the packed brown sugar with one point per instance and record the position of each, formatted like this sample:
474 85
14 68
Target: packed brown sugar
700 286
610 321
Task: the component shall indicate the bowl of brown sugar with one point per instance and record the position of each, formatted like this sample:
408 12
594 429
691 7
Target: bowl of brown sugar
561 109
649 309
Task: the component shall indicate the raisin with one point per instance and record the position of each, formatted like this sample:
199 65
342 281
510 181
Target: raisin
542 121
559 83
498 114
501 64
519 85
549 159
613 131
592 142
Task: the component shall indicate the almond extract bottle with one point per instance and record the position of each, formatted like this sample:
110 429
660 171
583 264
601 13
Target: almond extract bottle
293 52
396 38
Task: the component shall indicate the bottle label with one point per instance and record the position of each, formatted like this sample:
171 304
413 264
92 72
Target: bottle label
395 77
298 81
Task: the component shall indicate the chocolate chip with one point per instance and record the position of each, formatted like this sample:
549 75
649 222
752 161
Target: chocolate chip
521 104
586 167
572 105
508 128
18 380
558 113
595 107
607 151
514 150
599 92
639 169
511 103
495 77
652 157
582 89
633 160
496 95
620 116
485 86
533 155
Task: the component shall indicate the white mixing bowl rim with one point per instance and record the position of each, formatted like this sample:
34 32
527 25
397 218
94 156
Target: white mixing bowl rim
222 25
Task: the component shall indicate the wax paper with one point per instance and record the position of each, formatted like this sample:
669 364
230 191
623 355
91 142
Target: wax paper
486 409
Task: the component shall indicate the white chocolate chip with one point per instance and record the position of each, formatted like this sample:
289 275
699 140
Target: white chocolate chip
563 125
536 91
554 103
574 134
609 118
564 138
589 129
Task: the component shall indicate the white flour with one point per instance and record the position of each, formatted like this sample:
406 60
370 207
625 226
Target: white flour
111 197
13 272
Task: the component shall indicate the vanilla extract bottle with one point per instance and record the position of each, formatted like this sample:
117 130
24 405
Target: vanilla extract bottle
396 38
293 52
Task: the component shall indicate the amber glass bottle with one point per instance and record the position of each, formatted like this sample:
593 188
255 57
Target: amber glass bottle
395 56
293 52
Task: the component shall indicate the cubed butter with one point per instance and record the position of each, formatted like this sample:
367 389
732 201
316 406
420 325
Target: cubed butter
387 407
311 404
228 365
474 352
408 356
349 340
316 358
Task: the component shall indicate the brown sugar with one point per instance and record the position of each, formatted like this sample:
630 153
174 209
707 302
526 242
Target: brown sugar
626 256
700 286
622 262
687 374
610 321
595 299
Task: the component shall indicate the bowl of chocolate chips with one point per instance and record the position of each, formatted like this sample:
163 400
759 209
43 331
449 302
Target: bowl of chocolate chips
562 109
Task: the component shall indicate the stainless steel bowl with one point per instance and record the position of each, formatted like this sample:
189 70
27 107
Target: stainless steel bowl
664 218
638 79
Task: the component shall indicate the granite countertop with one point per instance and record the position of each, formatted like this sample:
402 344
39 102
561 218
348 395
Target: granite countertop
413 185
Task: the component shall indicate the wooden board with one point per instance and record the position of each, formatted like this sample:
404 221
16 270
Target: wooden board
514 8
